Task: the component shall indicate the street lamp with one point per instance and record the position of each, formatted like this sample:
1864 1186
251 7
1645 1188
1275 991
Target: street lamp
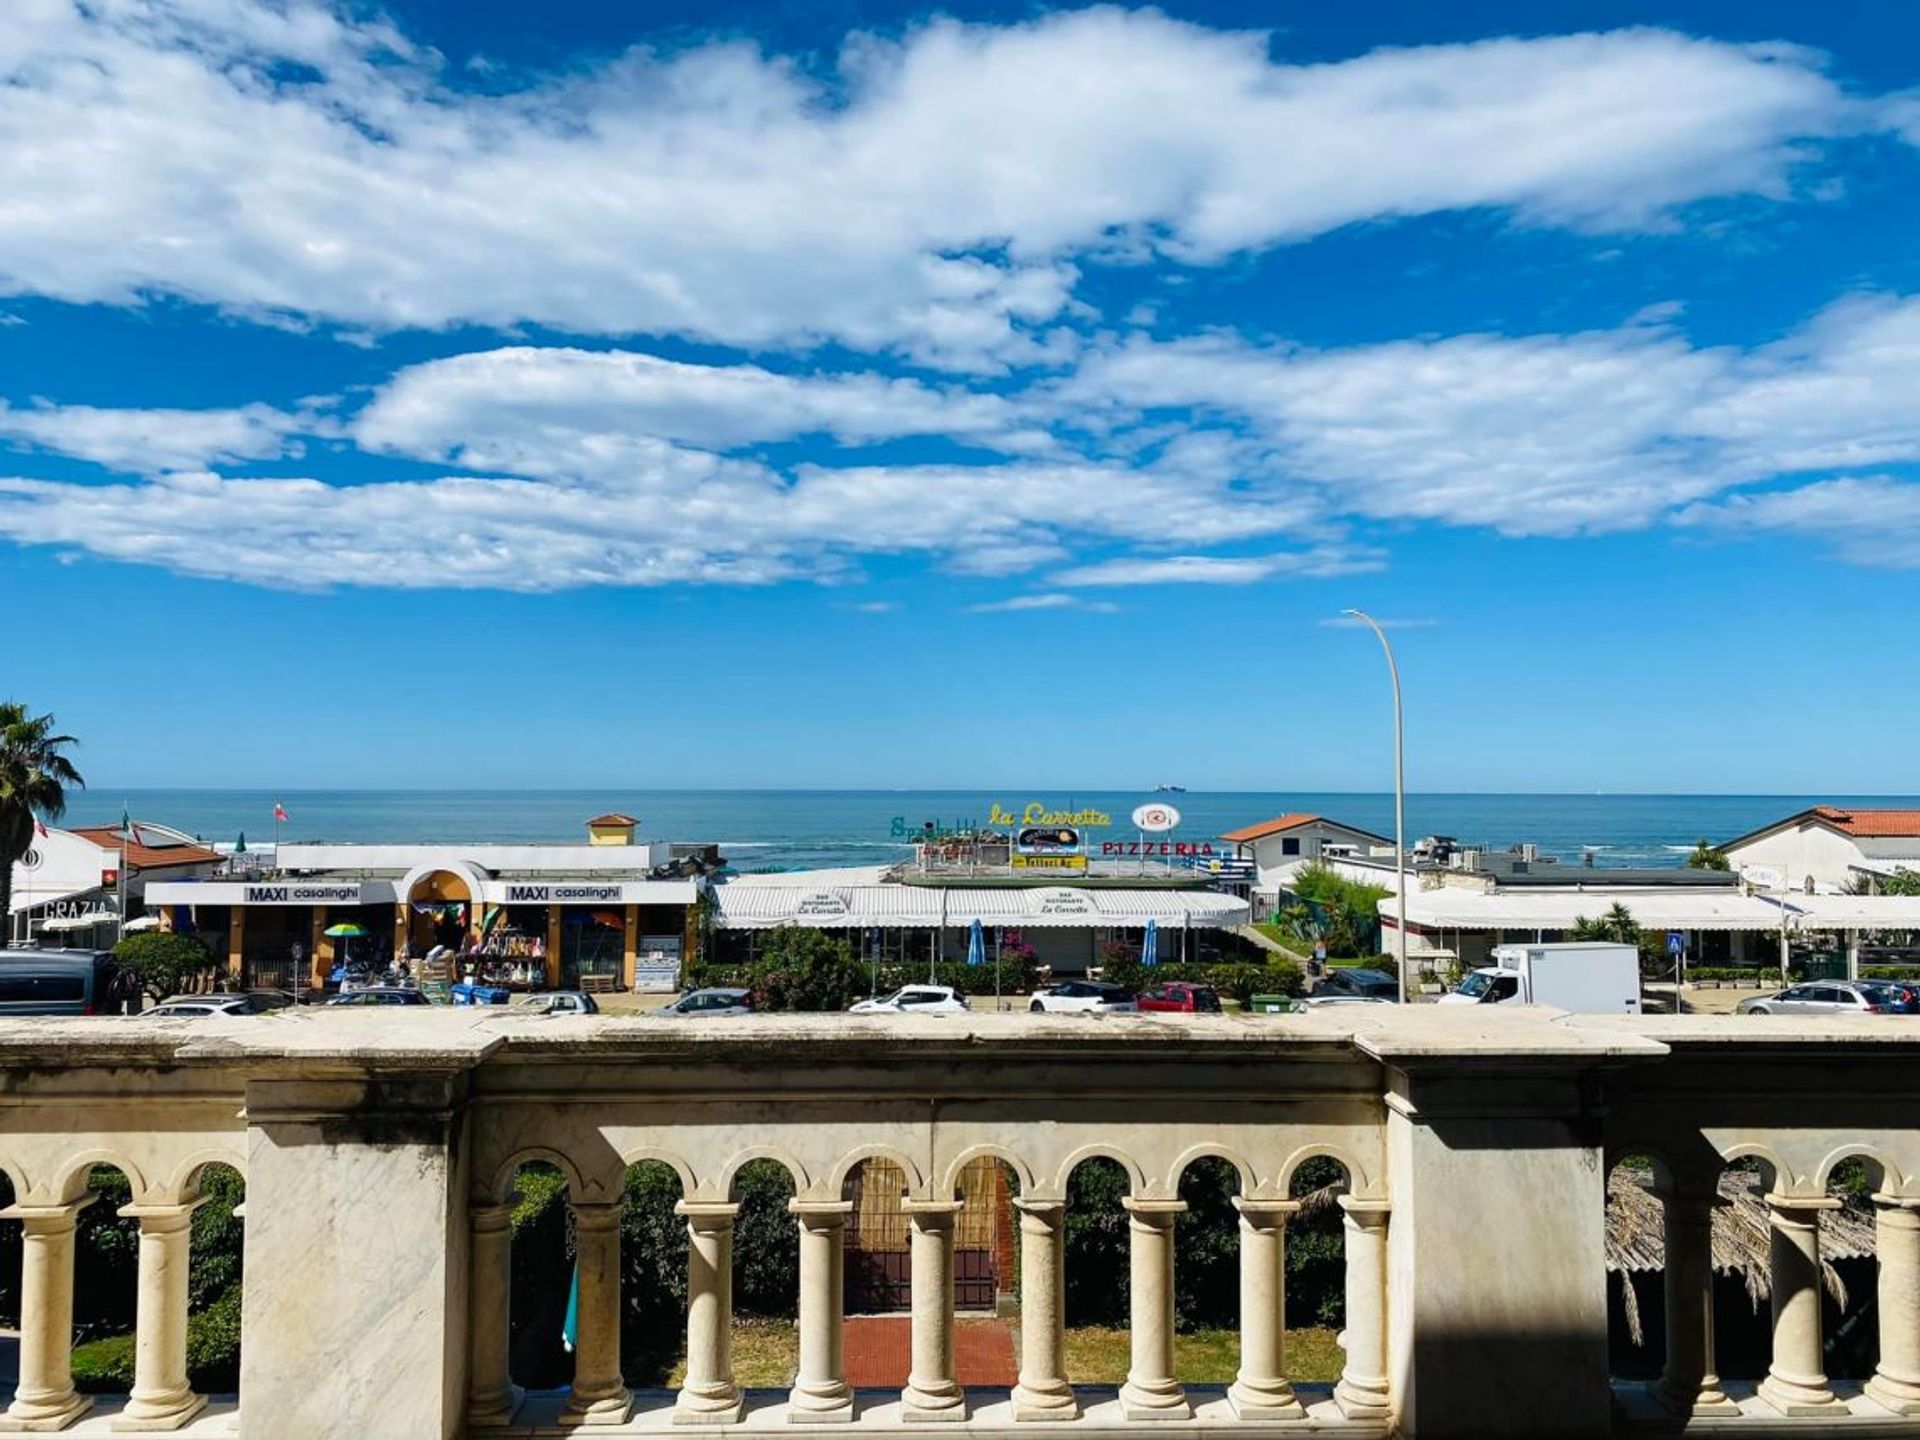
1399 802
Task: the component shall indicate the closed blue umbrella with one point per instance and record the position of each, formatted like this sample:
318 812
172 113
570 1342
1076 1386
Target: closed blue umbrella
570 1326
976 945
1150 947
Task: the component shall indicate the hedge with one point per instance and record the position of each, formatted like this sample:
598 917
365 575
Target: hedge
105 1366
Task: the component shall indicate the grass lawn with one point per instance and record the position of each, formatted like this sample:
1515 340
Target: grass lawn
766 1355
1097 1355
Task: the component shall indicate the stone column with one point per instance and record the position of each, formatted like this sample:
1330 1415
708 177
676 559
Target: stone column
490 1397
1362 1391
45 1398
1260 1391
709 1396
1896 1380
820 1393
1689 1385
599 1396
1796 1382
1043 1392
1151 1392
931 1392
161 1399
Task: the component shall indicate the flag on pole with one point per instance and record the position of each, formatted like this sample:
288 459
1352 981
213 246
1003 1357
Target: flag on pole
279 811
40 828
126 818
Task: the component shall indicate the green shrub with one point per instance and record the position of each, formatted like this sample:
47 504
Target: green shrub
162 962
1890 972
766 1269
805 969
105 1366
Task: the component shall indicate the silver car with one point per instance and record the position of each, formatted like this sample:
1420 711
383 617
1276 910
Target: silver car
713 1001
1822 997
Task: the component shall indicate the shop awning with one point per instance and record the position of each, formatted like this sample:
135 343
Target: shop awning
1855 912
1457 908
763 906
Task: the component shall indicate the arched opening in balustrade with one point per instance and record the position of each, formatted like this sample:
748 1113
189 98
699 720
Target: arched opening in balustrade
653 1275
1206 1274
1850 1237
878 1246
766 1275
541 1283
1636 1266
10 1257
1098 1272
106 1261
1316 1270
216 1280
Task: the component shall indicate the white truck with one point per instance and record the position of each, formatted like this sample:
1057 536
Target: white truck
1588 977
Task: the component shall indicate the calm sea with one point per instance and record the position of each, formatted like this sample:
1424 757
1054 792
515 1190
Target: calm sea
796 829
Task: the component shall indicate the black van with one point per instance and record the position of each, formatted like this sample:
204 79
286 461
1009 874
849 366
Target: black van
56 982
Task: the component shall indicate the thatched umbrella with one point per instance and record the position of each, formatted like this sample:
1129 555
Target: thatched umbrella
1742 1245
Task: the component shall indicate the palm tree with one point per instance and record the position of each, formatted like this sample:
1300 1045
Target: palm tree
34 778
1617 925
1708 856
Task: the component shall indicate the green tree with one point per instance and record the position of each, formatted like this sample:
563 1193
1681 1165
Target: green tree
1708 856
1617 925
805 969
35 776
161 962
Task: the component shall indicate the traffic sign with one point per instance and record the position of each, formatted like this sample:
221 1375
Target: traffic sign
1676 943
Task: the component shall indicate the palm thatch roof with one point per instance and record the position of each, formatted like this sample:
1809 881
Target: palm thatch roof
1742 1245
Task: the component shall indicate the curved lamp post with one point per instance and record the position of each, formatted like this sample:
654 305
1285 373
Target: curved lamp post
1399 803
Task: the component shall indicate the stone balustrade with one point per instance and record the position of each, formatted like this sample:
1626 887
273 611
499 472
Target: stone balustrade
380 1152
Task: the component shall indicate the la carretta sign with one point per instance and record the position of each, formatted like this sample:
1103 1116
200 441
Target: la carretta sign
1037 812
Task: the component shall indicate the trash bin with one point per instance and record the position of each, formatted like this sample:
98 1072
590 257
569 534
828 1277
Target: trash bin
1269 1005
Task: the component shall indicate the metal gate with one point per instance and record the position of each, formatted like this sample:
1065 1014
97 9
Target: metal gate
879 1266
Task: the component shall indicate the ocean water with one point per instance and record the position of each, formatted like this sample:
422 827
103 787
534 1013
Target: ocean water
798 829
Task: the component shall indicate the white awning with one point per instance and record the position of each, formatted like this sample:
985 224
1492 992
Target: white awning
1856 912
764 906
1457 908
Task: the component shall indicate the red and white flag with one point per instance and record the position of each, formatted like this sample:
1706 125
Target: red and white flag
279 811
40 828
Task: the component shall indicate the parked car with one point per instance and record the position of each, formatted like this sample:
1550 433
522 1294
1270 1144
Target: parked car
1321 999
381 995
1083 996
557 1002
1342 982
715 1000
57 982
1181 998
1825 997
914 1000
1902 997
224 1007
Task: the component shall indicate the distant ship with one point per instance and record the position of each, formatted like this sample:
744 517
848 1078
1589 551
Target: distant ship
1170 789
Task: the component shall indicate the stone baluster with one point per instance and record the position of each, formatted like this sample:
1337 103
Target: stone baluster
1151 1392
1362 1391
1260 1391
599 1396
1688 1384
161 1398
1043 1392
490 1397
45 1398
1796 1382
709 1396
820 1393
1896 1380
931 1392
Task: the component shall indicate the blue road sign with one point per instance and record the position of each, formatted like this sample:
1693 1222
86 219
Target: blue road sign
1676 943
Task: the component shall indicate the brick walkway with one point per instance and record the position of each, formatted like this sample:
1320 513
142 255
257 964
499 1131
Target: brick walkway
879 1350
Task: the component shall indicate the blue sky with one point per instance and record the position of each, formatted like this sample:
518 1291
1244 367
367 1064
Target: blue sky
845 394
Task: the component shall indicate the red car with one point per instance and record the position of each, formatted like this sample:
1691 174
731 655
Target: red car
1180 998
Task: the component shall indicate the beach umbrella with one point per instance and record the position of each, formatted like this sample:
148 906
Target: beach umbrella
1150 947
346 930
240 845
976 945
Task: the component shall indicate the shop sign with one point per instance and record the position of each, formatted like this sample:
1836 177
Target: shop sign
302 895
1155 818
1037 813
821 905
563 894
1157 849
1050 862
1064 902
898 829
68 909
1048 840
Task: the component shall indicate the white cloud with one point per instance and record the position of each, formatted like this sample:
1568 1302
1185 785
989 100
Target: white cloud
1318 564
153 440
1054 600
1866 520
539 410
937 192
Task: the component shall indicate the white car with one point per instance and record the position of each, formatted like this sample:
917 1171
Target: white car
913 1000
203 1007
1084 996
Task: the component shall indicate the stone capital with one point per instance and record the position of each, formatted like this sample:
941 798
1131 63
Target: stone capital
154 1217
1151 1211
707 1214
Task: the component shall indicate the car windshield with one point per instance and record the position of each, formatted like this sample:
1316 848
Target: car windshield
892 999
1476 985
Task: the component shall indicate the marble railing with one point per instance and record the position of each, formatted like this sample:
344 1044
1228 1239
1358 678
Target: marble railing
380 1152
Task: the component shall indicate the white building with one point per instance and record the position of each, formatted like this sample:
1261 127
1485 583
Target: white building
1279 847
66 888
1828 848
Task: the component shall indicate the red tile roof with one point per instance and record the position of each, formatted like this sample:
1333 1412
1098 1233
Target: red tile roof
147 857
1268 827
1883 823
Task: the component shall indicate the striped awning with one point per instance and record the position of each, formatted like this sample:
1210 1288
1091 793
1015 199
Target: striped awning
764 906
